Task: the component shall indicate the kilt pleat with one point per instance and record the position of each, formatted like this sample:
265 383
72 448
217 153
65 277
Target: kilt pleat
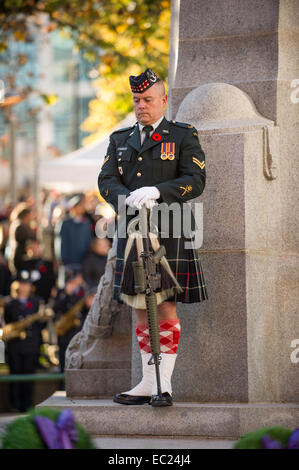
185 264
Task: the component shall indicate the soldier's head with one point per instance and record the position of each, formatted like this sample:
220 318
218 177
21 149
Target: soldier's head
25 215
25 289
76 205
74 279
22 286
149 97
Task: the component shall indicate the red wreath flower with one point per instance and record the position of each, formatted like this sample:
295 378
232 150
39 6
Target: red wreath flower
156 137
80 293
43 269
29 304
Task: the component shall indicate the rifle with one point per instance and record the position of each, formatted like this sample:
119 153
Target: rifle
147 281
147 272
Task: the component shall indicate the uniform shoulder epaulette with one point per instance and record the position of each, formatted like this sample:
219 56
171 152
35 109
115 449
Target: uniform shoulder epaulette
183 124
123 129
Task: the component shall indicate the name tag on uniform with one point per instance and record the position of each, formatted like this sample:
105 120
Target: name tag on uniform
167 150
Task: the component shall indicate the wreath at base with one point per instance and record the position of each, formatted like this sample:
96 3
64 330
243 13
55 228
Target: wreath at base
46 428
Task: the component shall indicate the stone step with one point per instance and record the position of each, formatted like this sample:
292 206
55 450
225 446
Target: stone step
136 442
207 420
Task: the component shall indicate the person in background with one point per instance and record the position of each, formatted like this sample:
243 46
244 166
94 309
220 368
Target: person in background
22 353
43 275
92 202
94 263
76 234
23 232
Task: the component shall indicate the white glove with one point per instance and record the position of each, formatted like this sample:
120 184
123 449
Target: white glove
150 203
143 196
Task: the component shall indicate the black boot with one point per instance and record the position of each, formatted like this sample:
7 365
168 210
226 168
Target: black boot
164 400
125 399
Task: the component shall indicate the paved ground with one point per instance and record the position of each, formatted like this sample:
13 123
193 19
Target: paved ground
150 442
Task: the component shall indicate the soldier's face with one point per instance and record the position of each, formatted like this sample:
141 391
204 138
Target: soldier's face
24 289
149 105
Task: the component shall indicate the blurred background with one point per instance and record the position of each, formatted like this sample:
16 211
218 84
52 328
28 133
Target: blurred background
64 87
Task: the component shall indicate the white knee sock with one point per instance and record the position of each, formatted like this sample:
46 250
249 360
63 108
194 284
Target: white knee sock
166 369
144 388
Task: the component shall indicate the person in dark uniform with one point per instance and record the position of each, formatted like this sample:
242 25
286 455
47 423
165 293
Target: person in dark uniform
153 162
94 263
42 271
67 298
22 353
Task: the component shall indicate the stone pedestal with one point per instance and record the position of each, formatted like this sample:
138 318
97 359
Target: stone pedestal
107 368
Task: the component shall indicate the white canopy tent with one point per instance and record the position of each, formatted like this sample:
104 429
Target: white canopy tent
78 170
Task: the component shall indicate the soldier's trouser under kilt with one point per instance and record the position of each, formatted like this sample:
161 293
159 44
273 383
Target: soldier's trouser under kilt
185 264
21 393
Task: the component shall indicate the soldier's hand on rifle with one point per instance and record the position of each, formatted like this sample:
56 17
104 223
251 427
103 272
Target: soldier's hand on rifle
146 195
150 203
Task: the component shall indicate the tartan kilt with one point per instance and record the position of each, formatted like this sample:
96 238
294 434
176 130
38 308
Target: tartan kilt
185 264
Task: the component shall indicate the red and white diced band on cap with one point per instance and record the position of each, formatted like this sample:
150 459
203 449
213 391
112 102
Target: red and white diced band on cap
140 83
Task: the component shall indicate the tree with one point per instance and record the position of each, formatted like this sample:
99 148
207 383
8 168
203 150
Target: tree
123 36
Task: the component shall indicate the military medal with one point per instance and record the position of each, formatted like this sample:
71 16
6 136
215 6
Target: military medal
167 150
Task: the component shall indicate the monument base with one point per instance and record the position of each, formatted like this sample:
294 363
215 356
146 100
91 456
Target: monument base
219 420
92 383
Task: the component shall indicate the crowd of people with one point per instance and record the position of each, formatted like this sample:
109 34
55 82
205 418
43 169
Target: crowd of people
50 261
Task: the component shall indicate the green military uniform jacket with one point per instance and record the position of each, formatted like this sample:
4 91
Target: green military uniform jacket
173 161
179 175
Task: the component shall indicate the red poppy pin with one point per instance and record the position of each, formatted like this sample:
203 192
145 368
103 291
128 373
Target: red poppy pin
43 269
156 137
80 293
29 304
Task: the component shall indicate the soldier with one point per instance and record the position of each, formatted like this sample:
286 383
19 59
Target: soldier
156 161
23 353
